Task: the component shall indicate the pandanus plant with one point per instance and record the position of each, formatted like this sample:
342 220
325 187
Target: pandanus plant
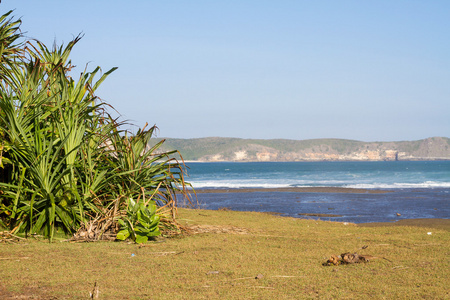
65 162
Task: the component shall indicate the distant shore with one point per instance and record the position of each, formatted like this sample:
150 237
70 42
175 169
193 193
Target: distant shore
219 149
295 190
318 160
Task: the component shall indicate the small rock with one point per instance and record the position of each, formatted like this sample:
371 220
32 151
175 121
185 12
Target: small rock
212 272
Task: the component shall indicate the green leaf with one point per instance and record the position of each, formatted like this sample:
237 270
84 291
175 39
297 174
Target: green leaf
123 234
140 239
122 223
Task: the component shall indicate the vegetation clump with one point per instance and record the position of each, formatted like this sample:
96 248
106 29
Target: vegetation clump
65 163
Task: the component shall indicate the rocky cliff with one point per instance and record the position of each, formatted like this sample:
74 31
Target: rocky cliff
245 150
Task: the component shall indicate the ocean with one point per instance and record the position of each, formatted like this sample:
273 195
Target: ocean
415 189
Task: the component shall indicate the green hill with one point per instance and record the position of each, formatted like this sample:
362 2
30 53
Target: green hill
235 149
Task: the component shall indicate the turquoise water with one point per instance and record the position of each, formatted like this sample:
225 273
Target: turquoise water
417 189
392 175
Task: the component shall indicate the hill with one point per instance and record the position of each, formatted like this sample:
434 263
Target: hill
234 149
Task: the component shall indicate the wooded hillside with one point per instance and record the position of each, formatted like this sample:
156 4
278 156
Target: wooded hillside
235 149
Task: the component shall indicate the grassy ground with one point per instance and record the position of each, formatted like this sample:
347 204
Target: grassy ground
236 255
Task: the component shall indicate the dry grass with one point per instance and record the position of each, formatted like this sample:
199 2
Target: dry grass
235 255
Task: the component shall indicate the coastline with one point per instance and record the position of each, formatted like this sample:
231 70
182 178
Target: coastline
387 215
412 159
342 190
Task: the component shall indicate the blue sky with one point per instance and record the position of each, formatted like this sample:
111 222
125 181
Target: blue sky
364 70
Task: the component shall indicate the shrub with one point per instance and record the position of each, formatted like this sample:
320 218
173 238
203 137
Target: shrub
66 164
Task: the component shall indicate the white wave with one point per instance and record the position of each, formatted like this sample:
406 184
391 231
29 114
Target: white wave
236 185
401 185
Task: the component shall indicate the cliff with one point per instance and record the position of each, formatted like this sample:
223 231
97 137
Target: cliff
245 150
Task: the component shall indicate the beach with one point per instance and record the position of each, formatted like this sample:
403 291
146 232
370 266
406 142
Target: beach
355 192
338 204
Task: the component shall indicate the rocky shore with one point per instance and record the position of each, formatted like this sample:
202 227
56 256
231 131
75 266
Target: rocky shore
251 150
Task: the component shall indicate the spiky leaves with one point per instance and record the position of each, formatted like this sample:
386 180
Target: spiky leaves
10 47
65 161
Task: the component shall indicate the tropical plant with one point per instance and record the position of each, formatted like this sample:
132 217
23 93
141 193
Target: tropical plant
66 164
140 223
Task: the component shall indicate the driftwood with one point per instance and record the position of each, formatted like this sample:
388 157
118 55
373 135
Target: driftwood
8 237
95 292
349 258
96 230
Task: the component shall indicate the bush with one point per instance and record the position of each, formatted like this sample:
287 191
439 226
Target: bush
66 164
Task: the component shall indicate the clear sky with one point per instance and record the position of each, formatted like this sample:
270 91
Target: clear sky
364 70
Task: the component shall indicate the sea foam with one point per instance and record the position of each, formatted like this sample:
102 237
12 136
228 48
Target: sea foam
401 185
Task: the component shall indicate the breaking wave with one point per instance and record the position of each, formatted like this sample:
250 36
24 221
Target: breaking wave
374 175
403 185
246 184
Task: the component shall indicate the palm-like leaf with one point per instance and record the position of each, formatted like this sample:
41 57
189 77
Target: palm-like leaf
65 162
